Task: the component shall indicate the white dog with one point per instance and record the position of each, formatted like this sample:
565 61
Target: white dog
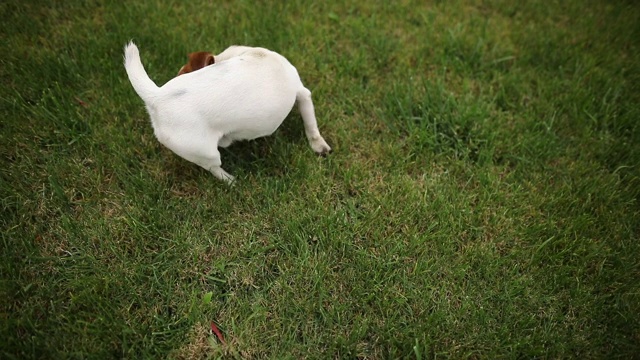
245 94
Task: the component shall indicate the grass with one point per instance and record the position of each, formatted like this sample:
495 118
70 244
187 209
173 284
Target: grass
482 200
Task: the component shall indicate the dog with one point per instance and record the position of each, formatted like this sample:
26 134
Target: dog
245 94
197 60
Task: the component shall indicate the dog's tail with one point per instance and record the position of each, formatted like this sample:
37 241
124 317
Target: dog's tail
141 82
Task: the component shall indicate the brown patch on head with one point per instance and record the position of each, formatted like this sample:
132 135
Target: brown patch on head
197 60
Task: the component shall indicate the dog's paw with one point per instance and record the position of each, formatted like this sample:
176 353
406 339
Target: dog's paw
223 175
320 146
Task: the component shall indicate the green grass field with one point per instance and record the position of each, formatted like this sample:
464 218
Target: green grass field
482 199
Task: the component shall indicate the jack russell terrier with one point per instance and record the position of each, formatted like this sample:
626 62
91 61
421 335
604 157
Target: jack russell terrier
245 94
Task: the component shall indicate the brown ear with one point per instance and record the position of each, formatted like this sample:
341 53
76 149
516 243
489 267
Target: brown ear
197 60
187 67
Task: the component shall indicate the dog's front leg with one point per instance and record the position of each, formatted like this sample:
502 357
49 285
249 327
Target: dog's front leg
305 104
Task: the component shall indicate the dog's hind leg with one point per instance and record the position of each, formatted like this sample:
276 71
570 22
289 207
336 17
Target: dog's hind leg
213 164
200 150
224 142
305 104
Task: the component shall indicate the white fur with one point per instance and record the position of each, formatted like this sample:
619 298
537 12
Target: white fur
246 94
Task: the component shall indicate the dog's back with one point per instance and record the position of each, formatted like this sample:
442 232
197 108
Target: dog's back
247 94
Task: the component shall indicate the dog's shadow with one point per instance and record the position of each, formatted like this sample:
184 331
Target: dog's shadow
267 156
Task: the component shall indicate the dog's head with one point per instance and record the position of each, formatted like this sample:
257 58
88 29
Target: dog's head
197 60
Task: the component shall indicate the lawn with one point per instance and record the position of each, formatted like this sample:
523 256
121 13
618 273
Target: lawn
482 199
